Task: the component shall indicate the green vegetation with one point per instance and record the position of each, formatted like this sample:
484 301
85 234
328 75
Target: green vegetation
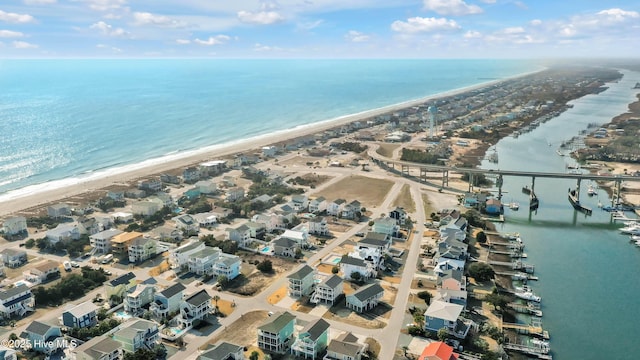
481 237
481 271
42 221
265 266
426 296
29 243
200 205
87 333
422 157
227 246
71 287
352 146
158 352
146 223
107 204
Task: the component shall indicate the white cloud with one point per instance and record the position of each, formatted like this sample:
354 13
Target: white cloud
420 24
356 36
309 25
107 29
24 45
262 47
472 34
513 35
145 18
10 34
536 22
618 15
183 41
16 18
513 30
451 7
105 5
112 48
213 40
39 2
489 1
260 18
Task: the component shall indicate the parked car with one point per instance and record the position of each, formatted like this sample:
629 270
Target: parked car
75 264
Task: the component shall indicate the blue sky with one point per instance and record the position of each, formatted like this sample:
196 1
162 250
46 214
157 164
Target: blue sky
320 28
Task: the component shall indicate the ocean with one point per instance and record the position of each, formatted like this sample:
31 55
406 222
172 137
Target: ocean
65 120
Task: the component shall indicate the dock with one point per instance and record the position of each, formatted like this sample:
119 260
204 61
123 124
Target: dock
514 274
515 265
536 351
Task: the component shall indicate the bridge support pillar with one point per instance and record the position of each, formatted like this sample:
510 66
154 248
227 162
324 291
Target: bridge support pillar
445 178
471 180
423 175
533 184
578 189
499 182
405 170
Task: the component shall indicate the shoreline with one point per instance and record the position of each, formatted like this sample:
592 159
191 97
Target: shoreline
39 194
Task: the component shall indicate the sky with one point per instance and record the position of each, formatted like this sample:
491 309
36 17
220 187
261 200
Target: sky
319 28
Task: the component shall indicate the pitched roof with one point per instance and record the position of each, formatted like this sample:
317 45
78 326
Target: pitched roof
373 242
82 309
198 298
37 327
284 242
11 292
13 252
188 247
443 310
122 279
221 351
332 281
315 329
107 234
367 292
172 290
98 346
345 348
347 337
276 322
348 260
302 273
438 351
206 252
376 236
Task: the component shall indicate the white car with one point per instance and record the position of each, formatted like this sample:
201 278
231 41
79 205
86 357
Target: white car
75 264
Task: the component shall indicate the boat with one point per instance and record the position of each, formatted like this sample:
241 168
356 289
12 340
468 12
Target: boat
528 295
575 202
542 345
637 85
526 190
535 312
493 157
631 230
514 206
519 276
591 191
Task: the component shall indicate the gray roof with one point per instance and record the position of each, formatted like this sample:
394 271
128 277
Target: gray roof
206 252
302 273
122 279
221 351
373 242
375 235
339 201
82 309
172 290
315 329
368 292
198 298
276 322
98 346
348 260
14 252
333 281
11 292
285 242
347 337
444 310
345 348
188 247
228 259
39 328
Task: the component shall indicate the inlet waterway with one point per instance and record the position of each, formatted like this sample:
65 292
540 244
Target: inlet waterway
588 271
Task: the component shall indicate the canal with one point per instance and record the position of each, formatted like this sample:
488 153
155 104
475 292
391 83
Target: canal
588 271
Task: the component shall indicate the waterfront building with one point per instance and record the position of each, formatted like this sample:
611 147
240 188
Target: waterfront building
194 307
276 332
167 301
441 314
58 210
63 232
14 226
438 351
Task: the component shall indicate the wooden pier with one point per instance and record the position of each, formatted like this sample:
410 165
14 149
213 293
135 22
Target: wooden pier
529 350
515 265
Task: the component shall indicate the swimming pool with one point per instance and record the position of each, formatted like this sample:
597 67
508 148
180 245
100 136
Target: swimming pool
336 260
266 249
20 282
122 314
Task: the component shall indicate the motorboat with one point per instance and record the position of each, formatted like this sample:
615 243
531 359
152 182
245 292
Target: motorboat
520 276
528 295
631 230
514 206
591 191
542 345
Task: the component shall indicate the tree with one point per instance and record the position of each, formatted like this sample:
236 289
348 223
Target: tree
481 237
298 254
371 223
481 271
405 348
29 243
497 300
13 336
443 334
42 243
335 269
254 355
356 276
265 266
216 298
426 296
223 281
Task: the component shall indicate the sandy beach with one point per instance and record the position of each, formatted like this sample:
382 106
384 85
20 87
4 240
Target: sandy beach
39 195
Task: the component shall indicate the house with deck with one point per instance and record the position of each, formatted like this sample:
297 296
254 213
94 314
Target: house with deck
365 298
345 347
271 221
120 243
167 301
194 307
223 351
98 348
328 290
58 210
441 314
301 281
241 235
438 351
119 286
141 249
285 246
227 265
351 210
312 340
15 226
387 226
101 241
318 226
349 265
335 207
16 301
42 272
63 232
202 262
179 257
137 298
276 332
235 194
399 215
299 202
187 223
300 236
137 334
317 205
79 316
43 338
14 258
452 279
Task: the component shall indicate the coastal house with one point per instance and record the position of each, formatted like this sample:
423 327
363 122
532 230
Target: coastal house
122 217
63 232
98 348
386 226
119 286
206 219
264 199
452 296
93 225
58 210
452 248
328 290
15 226
138 297
335 207
285 246
345 347
213 167
493 207
399 215
167 301
300 236
365 298
235 194
318 205
350 265
137 334
191 174
299 203
135 193
227 265
166 233
256 230
187 223
169 179
42 272
351 210
16 301
14 258
8 353
269 151
179 257
312 340
301 281
453 229
270 221
194 307
444 264
146 208
318 226
206 187
441 314
438 351
275 334
240 234
120 243
452 280
223 351
202 262
150 185
79 316
142 249
43 338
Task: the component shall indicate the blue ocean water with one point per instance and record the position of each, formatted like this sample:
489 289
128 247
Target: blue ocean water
61 119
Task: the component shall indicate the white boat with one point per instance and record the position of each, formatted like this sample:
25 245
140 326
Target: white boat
591 191
631 230
528 295
520 276
535 312
514 206
542 345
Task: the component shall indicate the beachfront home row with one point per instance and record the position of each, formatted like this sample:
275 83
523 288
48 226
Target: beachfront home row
129 337
441 314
